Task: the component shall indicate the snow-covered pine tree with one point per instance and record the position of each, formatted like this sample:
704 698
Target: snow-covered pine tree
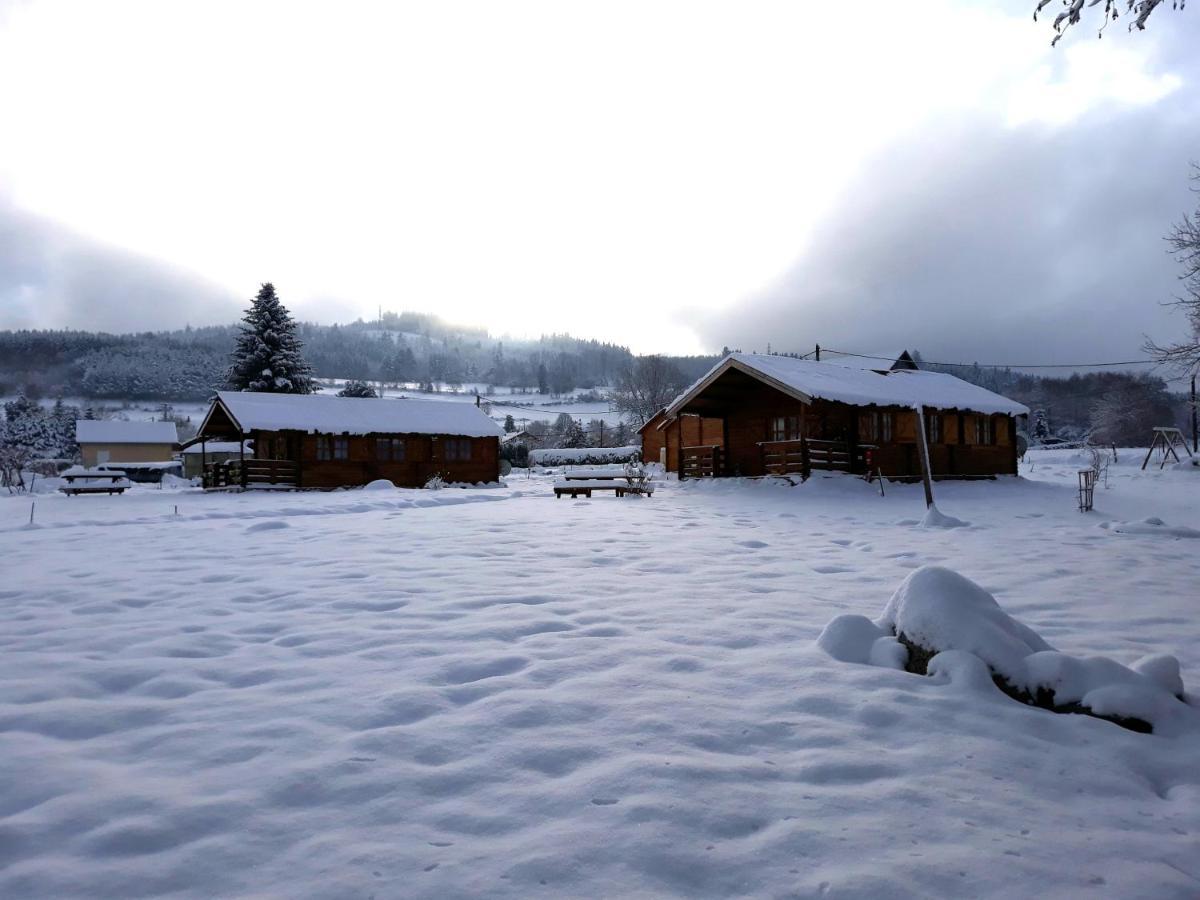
509 425
267 356
356 388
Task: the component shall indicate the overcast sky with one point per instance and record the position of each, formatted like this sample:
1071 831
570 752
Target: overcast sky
672 176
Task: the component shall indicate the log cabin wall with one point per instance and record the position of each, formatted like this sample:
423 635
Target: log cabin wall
424 457
653 440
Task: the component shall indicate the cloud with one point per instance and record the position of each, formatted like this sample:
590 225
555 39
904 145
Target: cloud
52 278
979 240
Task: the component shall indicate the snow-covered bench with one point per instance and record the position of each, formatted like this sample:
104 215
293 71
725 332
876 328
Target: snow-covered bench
620 488
93 481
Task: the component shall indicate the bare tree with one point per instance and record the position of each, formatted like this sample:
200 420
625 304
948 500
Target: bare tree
1184 241
1127 414
1073 11
645 387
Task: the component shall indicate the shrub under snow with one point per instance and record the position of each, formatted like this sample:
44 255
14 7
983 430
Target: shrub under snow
583 456
940 623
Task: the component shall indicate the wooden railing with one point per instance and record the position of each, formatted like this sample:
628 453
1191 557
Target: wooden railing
252 473
804 456
699 462
785 458
835 456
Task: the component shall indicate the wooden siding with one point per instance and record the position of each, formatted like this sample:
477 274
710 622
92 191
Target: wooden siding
130 453
424 458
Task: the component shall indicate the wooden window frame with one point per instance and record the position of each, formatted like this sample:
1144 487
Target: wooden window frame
324 447
933 427
453 449
390 449
784 428
887 428
341 448
985 431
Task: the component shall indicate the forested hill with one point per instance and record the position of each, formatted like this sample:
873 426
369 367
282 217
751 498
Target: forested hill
405 347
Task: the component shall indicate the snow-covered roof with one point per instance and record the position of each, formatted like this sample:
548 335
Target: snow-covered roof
116 431
322 413
807 379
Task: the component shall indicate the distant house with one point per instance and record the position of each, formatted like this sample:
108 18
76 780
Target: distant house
760 415
322 441
104 441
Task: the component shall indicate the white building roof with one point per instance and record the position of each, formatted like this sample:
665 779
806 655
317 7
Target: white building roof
326 414
807 380
116 431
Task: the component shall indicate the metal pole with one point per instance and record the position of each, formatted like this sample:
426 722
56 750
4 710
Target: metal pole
1195 430
923 447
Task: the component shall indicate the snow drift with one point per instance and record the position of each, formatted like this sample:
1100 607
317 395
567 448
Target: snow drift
942 624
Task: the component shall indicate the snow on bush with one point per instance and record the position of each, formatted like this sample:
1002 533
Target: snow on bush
583 456
941 623
435 483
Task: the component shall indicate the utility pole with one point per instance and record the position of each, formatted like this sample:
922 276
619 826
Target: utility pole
818 352
923 448
1195 430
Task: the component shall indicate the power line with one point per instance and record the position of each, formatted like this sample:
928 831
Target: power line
929 362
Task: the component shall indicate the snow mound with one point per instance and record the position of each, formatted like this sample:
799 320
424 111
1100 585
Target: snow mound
268 525
935 518
940 609
379 484
941 623
1152 525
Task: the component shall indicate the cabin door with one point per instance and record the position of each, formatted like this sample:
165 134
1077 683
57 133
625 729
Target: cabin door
280 446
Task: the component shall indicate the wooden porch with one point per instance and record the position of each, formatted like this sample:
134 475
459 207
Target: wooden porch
248 474
800 457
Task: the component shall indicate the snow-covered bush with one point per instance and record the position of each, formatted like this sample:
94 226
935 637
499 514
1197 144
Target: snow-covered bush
435 483
942 624
583 456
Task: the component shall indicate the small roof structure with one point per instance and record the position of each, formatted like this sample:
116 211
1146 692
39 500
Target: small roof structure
512 436
118 431
807 380
326 414
884 361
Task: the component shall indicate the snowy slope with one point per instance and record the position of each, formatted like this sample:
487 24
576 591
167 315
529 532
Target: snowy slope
494 693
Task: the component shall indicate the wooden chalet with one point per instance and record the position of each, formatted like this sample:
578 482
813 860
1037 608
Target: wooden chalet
323 441
754 415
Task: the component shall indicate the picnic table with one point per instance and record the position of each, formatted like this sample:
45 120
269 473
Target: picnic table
621 481
582 474
93 481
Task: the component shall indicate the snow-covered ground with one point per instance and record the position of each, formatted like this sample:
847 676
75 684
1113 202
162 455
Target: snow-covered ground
490 692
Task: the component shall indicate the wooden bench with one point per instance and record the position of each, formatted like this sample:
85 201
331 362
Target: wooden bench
620 488
595 475
93 481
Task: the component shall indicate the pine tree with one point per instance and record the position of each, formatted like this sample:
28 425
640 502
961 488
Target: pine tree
509 425
267 357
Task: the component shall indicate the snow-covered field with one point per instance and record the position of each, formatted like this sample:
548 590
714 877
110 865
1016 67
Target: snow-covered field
489 692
